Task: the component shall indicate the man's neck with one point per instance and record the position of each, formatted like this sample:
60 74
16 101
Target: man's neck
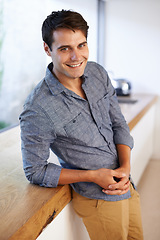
75 85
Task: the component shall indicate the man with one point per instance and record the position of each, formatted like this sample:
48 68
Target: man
74 112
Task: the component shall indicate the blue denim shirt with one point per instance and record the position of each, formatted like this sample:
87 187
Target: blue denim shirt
82 133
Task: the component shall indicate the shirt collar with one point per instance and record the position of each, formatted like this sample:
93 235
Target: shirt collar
54 85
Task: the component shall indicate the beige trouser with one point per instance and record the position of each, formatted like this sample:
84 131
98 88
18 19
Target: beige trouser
104 220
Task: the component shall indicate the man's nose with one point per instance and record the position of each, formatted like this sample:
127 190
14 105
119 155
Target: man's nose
75 55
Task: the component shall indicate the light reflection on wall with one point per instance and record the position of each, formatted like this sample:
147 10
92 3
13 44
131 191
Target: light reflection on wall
23 57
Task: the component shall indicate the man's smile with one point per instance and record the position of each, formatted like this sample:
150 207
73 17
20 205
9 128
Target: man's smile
74 65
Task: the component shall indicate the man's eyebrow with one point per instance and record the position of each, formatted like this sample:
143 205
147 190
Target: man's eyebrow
66 46
83 42
63 46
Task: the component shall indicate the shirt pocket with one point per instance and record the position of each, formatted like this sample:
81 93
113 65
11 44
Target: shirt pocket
79 130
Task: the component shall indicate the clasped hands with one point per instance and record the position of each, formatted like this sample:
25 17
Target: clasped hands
113 182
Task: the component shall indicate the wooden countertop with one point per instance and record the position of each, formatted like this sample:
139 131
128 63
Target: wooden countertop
25 209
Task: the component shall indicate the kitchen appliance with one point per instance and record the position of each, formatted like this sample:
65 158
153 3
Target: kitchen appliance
122 86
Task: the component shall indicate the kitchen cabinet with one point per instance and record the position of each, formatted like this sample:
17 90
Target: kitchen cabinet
140 116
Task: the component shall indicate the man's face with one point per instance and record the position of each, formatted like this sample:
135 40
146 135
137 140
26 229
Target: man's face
69 54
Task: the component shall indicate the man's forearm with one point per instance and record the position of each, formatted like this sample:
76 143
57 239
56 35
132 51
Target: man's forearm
124 157
103 177
69 176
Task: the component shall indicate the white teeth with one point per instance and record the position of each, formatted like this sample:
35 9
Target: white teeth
77 65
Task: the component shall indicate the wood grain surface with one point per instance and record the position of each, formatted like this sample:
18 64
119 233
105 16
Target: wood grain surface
25 209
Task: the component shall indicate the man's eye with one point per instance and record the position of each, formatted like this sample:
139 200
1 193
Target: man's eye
64 49
82 45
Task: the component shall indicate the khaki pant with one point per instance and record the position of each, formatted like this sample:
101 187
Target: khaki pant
104 220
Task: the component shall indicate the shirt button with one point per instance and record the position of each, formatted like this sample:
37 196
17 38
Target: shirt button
100 128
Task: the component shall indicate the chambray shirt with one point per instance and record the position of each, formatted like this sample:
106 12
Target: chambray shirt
82 133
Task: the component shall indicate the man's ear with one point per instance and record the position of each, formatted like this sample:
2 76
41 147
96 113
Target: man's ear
47 49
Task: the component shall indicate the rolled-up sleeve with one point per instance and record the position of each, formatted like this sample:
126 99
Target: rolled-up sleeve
36 137
121 132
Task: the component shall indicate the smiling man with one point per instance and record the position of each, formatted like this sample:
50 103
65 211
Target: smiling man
74 112
69 53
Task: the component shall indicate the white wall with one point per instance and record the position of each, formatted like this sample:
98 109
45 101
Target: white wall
23 57
132 42
133 49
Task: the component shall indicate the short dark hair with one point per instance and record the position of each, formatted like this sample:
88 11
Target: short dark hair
62 19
